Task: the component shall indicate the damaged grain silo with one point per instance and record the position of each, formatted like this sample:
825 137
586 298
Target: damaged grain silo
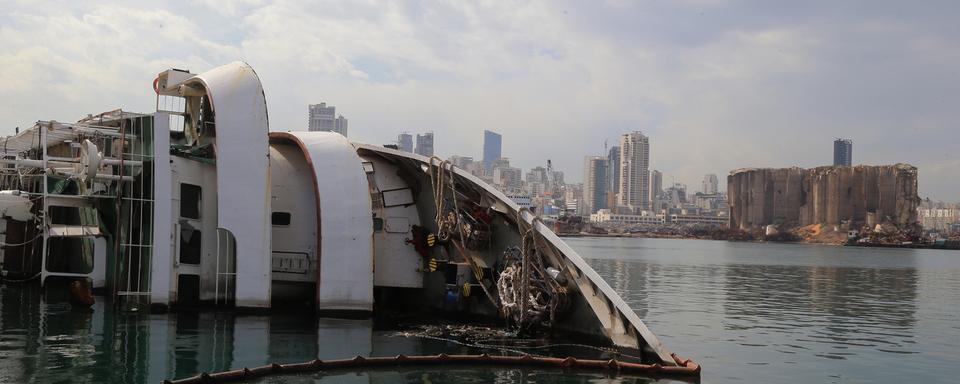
794 197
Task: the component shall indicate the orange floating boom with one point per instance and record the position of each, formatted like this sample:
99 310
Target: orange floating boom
684 368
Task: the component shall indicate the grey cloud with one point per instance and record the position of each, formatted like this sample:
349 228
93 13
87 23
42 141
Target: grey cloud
717 85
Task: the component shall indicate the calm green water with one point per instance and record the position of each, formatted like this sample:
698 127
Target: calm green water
747 312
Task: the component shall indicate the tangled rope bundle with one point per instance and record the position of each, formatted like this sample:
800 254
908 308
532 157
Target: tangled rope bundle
510 286
450 224
529 294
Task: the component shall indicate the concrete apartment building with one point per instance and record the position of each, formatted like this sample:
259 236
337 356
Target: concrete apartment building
405 142
634 172
323 117
656 190
425 144
509 179
710 184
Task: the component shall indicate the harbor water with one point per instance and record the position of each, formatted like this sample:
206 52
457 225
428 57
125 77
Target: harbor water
793 313
747 312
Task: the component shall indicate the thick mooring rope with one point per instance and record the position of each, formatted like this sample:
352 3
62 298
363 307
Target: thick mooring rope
439 180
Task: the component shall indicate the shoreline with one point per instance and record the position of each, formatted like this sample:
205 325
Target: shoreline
842 244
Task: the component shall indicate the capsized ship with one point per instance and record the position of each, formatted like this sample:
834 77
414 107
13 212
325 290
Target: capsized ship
200 204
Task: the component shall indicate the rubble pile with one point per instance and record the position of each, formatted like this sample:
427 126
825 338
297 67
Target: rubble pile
887 234
820 234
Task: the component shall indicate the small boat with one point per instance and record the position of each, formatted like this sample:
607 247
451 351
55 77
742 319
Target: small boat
200 204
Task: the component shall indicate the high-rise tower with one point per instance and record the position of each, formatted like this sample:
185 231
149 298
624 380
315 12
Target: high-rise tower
405 142
323 117
710 184
843 152
491 148
634 171
656 190
613 170
595 183
425 144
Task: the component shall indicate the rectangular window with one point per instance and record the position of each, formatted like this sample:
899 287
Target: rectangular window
64 215
188 289
190 196
397 197
190 245
280 218
61 215
367 167
70 254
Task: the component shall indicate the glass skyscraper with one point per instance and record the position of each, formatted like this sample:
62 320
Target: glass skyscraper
491 148
843 152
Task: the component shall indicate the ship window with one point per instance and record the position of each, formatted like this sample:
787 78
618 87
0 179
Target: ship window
72 215
70 254
188 289
64 215
190 201
280 218
377 224
367 167
397 197
190 245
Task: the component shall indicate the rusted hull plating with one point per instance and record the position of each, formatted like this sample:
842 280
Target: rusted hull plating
684 368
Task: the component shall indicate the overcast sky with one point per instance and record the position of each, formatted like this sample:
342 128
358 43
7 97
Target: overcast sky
717 85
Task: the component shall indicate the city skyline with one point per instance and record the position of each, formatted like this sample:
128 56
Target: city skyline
606 196
776 82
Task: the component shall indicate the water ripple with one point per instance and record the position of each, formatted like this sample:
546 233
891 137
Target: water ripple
837 312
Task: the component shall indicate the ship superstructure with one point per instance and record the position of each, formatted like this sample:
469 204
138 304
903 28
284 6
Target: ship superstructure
200 204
